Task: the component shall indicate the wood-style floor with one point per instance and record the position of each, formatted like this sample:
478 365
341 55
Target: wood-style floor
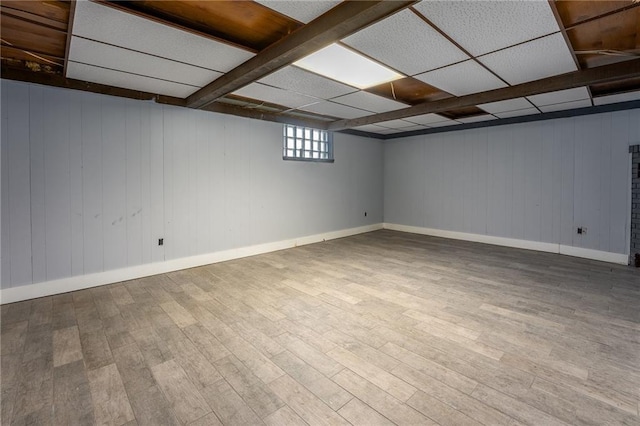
379 328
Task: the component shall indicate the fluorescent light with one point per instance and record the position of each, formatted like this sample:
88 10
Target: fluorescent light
346 66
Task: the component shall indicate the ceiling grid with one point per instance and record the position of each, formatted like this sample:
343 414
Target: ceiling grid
440 51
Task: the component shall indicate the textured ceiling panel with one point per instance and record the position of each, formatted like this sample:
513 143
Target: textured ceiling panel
336 110
462 79
429 119
569 95
530 61
508 105
618 97
444 123
566 105
369 102
405 42
305 82
484 26
127 81
300 10
371 128
518 113
274 95
107 56
396 124
103 23
476 119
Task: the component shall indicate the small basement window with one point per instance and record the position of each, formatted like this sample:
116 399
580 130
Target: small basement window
307 144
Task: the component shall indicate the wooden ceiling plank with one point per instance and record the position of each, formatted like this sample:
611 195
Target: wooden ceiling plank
72 13
33 18
603 74
339 22
52 9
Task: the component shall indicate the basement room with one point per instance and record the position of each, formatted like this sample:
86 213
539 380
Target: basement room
320 212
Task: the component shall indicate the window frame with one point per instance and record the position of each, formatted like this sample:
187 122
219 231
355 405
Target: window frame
305 139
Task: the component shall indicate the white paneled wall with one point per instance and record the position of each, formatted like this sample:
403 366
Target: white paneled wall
90 182
533 181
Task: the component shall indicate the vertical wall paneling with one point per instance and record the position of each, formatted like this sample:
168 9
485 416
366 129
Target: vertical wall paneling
608 142
75 184
201 184
154 137
37 133
91 182
499 184
92 185
19 187
622 135
566 138
5 246
134 207
114 176
168 181
145 216
57 183
534 182
237 143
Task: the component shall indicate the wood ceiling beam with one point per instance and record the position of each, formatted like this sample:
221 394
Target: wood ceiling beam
56 80
339 22
222 108
602 74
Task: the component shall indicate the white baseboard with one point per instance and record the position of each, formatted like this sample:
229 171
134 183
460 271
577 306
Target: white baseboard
64 285
604 256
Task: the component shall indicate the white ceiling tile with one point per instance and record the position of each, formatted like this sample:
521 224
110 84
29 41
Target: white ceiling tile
405 42
476 119
618 97
444 123
569 95
429 119
127 81
508 105
107 56
369 101
388 131
305 82
544 57
106 24
301 10
371 128
413 128
484 26
274 95
462 79
336 110
518 113
396 124
566 105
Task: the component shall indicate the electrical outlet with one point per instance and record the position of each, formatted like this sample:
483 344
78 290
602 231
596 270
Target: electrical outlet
160 241
580 230
365 214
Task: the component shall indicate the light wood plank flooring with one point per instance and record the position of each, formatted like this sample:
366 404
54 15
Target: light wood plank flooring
377 329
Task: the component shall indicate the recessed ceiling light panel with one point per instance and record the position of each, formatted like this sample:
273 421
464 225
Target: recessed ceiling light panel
346 66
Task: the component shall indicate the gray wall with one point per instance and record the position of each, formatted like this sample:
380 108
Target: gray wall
90 182
532 181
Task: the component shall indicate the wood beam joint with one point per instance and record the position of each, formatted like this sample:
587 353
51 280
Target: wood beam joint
343 20
602 74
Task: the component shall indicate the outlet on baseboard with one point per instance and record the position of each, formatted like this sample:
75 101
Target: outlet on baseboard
160 241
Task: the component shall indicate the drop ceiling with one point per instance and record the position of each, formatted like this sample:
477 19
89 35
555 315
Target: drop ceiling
459 62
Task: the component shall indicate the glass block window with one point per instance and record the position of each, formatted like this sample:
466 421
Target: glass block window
307 144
